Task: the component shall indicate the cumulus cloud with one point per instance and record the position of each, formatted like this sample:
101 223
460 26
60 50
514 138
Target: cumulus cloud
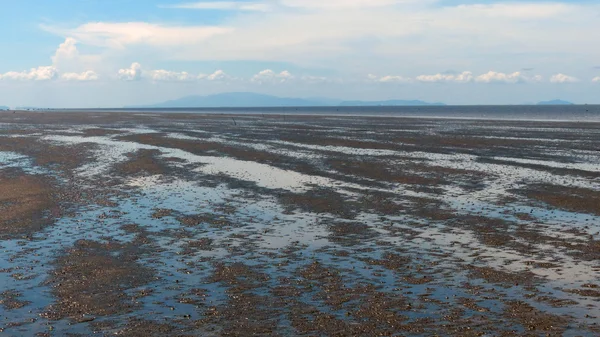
394 79
136 73
489 77
66 51
216 76
35 74
562 78
464 77
133 73
388 79
170 76
497 77
67 59
83 77
317 79
222 5
269 76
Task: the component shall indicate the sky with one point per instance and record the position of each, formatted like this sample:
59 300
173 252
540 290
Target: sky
113 53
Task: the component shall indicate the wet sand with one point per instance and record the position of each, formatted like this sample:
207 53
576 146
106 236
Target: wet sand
269 225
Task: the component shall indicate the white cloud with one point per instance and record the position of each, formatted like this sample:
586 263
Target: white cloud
300 4
65 61
525 10
489 77
133 73
216 76
121 35
562 78
35 74
269 76
339 4
394 79
316 79
172 76
596 79
464 77
66 51
136 73
68 59
223 5
84 76
497 77
388 79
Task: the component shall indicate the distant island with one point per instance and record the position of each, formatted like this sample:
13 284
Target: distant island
555 102
252 100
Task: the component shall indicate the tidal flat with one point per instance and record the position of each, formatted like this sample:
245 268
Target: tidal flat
190 224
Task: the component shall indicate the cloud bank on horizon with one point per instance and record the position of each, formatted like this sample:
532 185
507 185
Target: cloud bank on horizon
427 49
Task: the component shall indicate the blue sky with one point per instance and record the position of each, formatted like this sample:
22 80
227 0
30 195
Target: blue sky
94 53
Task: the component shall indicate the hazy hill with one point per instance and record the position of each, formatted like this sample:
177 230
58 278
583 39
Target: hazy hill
233 100
246 99
555 102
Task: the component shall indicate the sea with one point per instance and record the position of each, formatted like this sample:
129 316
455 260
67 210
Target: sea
581 113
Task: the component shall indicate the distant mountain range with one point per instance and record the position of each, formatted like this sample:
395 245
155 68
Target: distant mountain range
248 100
555 102
2 107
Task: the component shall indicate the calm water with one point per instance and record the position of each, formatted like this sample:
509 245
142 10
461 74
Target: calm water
517 112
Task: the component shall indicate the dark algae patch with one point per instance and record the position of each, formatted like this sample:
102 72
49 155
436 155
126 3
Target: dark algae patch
47 154
143 162
381 171
92 278
534 321
245 312
319 201
10 300
26 202
568 198
350 233
508 279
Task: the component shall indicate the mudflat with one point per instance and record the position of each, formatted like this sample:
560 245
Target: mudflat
190 224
